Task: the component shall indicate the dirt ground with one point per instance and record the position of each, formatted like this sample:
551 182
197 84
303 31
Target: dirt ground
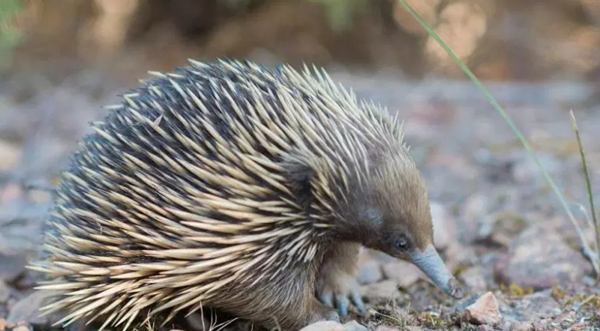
500 227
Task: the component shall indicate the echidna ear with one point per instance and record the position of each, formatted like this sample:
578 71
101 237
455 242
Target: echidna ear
301 175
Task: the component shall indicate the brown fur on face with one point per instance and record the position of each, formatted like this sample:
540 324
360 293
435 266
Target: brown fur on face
393 206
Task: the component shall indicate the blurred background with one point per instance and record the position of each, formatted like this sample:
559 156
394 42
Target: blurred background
500 40
62 61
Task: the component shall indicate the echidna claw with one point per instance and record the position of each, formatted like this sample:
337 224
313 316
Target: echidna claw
358 302
342 302
326 299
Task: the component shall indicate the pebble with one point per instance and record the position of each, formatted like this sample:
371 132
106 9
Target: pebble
403 273
484 310
21 328
381 291
484 327
541 264
324 326
370 272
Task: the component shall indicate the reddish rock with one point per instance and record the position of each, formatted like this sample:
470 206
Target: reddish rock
484 311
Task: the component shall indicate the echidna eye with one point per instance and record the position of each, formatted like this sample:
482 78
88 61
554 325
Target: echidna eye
402 242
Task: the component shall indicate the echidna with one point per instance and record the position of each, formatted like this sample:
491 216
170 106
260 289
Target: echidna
231 186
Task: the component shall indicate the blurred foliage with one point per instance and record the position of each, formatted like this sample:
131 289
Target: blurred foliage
341 12
10 35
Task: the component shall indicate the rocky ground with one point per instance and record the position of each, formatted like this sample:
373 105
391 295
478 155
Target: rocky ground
499 226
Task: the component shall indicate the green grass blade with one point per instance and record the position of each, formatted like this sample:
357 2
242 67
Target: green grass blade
587 251
588 183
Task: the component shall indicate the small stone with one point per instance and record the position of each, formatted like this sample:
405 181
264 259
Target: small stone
484 327
4 292
484 311
354 326
540 259
324 326
2 324
21 328
414 328
370 272
381 291
403 273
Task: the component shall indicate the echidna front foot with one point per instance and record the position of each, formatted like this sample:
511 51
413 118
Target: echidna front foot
339 292
337 286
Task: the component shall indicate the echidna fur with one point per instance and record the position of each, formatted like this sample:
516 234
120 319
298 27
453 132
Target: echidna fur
202 187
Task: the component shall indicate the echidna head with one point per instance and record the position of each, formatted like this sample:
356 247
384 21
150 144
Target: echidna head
392 215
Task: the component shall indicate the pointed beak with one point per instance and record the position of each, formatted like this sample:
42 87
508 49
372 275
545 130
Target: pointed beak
430 262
